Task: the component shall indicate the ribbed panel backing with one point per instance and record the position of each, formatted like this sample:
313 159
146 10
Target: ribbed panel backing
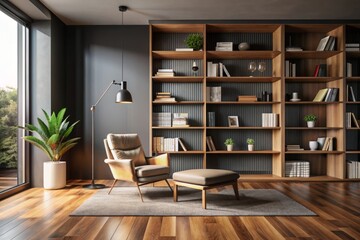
181 67
169 41
263 138
191 138
181 91
243 164
185 162
194 111
353 139
258 41
239 67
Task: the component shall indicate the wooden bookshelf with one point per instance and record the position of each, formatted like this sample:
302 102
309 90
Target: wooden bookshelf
242 54
243 79
244 152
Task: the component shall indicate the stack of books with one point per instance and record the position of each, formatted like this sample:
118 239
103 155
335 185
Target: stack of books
270 120
353 169
290 69
329 144
320 70
161 144
297 169
350 93
327 95
293 148
351 120
162 119
165 73
326 44
180 120
184 49
352 47
210 144
164 97
247 98
217 70
224 46
213 94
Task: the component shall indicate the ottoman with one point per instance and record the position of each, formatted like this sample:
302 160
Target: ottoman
204 179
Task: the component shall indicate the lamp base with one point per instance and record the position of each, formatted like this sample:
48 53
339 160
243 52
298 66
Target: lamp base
94 186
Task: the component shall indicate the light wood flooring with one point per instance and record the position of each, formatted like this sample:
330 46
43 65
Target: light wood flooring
44 214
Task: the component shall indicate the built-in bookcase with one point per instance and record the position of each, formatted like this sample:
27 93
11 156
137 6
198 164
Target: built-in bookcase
268 44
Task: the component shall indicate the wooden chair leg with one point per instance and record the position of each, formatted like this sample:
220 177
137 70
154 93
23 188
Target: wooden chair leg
112 186
175 193
236 190
168 185
139 192
204 199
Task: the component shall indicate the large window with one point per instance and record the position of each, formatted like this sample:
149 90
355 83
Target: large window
13 75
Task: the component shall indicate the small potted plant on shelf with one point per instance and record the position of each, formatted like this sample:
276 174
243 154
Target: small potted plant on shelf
53 139
195 41
310 119
229 142
250 143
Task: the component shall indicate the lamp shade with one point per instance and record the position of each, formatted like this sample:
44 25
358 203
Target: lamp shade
123 95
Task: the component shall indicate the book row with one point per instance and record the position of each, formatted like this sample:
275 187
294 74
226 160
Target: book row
162 144
353 169
297 169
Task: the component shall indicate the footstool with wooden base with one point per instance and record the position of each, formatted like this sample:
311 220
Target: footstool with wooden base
204 179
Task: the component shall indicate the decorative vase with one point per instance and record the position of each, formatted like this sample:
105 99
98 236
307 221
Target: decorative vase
313 145
251 147
311 124
54 174
244 46
229 147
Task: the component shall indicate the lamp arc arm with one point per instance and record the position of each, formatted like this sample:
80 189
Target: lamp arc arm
102 95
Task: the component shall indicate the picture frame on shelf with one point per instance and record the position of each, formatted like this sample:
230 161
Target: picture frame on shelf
233 121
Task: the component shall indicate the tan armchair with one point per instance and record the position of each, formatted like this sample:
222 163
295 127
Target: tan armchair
127 161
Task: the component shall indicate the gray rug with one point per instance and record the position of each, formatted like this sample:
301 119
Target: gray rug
158 201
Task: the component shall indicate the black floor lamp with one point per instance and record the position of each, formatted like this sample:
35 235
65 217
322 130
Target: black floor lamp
123 96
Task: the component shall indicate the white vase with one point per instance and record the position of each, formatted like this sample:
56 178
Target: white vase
313 145
54 174
251 147
311 124
229 147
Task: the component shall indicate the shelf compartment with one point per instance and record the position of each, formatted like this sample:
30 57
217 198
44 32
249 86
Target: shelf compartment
312 103
353 54
313 152
177 55
244 152
242 54
313 128
243 128
184 152
242 103
186 79
311 79
243 79
178 128
180 103
311 54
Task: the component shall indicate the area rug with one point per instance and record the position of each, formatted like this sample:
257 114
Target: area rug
158 201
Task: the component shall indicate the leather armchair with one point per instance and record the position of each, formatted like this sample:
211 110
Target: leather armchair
127 161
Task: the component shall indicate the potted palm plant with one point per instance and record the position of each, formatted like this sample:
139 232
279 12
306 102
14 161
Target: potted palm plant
53 139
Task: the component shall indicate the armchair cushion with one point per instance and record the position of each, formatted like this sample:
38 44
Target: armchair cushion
151 170
126 146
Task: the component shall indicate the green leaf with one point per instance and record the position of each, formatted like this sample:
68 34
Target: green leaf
44 128
67 148
53 141
69 130
40 144
46 115
60 116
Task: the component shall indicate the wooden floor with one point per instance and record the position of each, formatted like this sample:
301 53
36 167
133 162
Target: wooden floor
44 214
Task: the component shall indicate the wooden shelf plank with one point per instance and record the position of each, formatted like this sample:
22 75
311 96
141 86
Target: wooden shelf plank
352 152
242 54
178 28
353 54
180 79
244 152
357 102
311 54
311 79
185 152
242 103
311 103
177 55
242 28
243 128
243 79
179 103
353 128
311 28
178 128
313 152
313 128
353 79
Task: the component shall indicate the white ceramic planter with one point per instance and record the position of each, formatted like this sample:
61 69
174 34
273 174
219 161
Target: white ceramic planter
229 147
54 175
311 124
313 145
251 147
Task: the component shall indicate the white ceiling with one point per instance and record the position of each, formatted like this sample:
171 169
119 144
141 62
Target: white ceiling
106 12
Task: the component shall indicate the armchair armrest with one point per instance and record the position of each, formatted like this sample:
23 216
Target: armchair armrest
163 159
122 169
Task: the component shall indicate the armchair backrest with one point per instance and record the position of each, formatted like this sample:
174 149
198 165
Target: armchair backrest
126 146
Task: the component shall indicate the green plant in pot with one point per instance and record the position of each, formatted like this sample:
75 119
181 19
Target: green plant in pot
53 138
310 119
250 143
229 142
195 41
